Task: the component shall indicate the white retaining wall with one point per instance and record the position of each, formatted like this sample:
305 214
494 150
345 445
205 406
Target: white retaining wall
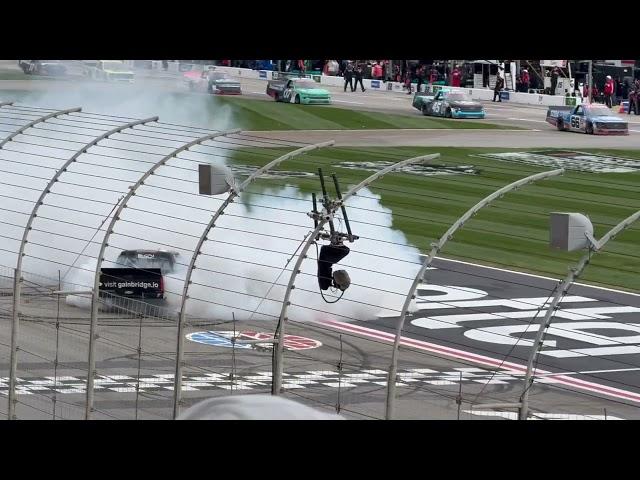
379 85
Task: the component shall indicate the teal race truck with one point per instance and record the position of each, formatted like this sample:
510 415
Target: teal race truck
449 104
298 90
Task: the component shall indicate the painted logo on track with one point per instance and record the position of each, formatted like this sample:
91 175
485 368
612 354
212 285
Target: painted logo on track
424 170
278 174
582 326
570 160
223 339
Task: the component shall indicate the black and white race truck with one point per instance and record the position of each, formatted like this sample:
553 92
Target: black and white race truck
139 276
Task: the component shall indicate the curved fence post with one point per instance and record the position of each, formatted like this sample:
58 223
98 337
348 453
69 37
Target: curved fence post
36 121
574 272
435 249
25 234
235 191
278 349
13 362
105 242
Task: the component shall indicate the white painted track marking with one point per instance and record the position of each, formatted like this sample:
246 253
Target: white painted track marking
536 276
484 360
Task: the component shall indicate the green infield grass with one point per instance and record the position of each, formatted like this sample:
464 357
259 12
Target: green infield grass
513 232
217 112
271 115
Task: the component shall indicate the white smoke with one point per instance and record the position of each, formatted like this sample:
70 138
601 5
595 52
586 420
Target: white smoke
250 255
249 241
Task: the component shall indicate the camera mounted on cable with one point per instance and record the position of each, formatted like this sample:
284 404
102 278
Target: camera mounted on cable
335 250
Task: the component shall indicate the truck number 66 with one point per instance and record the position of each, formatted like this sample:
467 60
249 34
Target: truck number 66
575 121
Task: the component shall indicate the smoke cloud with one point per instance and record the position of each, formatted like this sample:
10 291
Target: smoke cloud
250 253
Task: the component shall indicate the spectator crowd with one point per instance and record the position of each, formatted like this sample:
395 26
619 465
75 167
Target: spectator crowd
415 74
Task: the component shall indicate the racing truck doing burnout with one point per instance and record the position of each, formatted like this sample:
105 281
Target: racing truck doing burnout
595 119
221 83
139 276
298 90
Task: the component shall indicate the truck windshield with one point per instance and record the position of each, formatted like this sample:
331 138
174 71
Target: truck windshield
458 97
146 260
598 110
306 84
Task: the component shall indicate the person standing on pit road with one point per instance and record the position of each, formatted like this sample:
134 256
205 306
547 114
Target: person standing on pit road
301 68
433 75
525 80
348 76
619 91
624 90
359 73
634 98
407 81
376 71
456 76
498 87
609 89
420 72
555 73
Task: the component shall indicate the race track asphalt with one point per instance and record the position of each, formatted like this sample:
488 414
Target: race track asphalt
596 375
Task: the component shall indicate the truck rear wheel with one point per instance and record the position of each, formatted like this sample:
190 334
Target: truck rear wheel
424 110
560 124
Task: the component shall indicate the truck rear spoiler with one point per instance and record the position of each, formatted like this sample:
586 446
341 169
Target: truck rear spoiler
555 112
561 109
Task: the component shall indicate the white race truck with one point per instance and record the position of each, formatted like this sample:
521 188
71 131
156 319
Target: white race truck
108 71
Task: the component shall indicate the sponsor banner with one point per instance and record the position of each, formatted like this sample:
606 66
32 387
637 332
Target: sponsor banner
139 284
553 63
263 74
